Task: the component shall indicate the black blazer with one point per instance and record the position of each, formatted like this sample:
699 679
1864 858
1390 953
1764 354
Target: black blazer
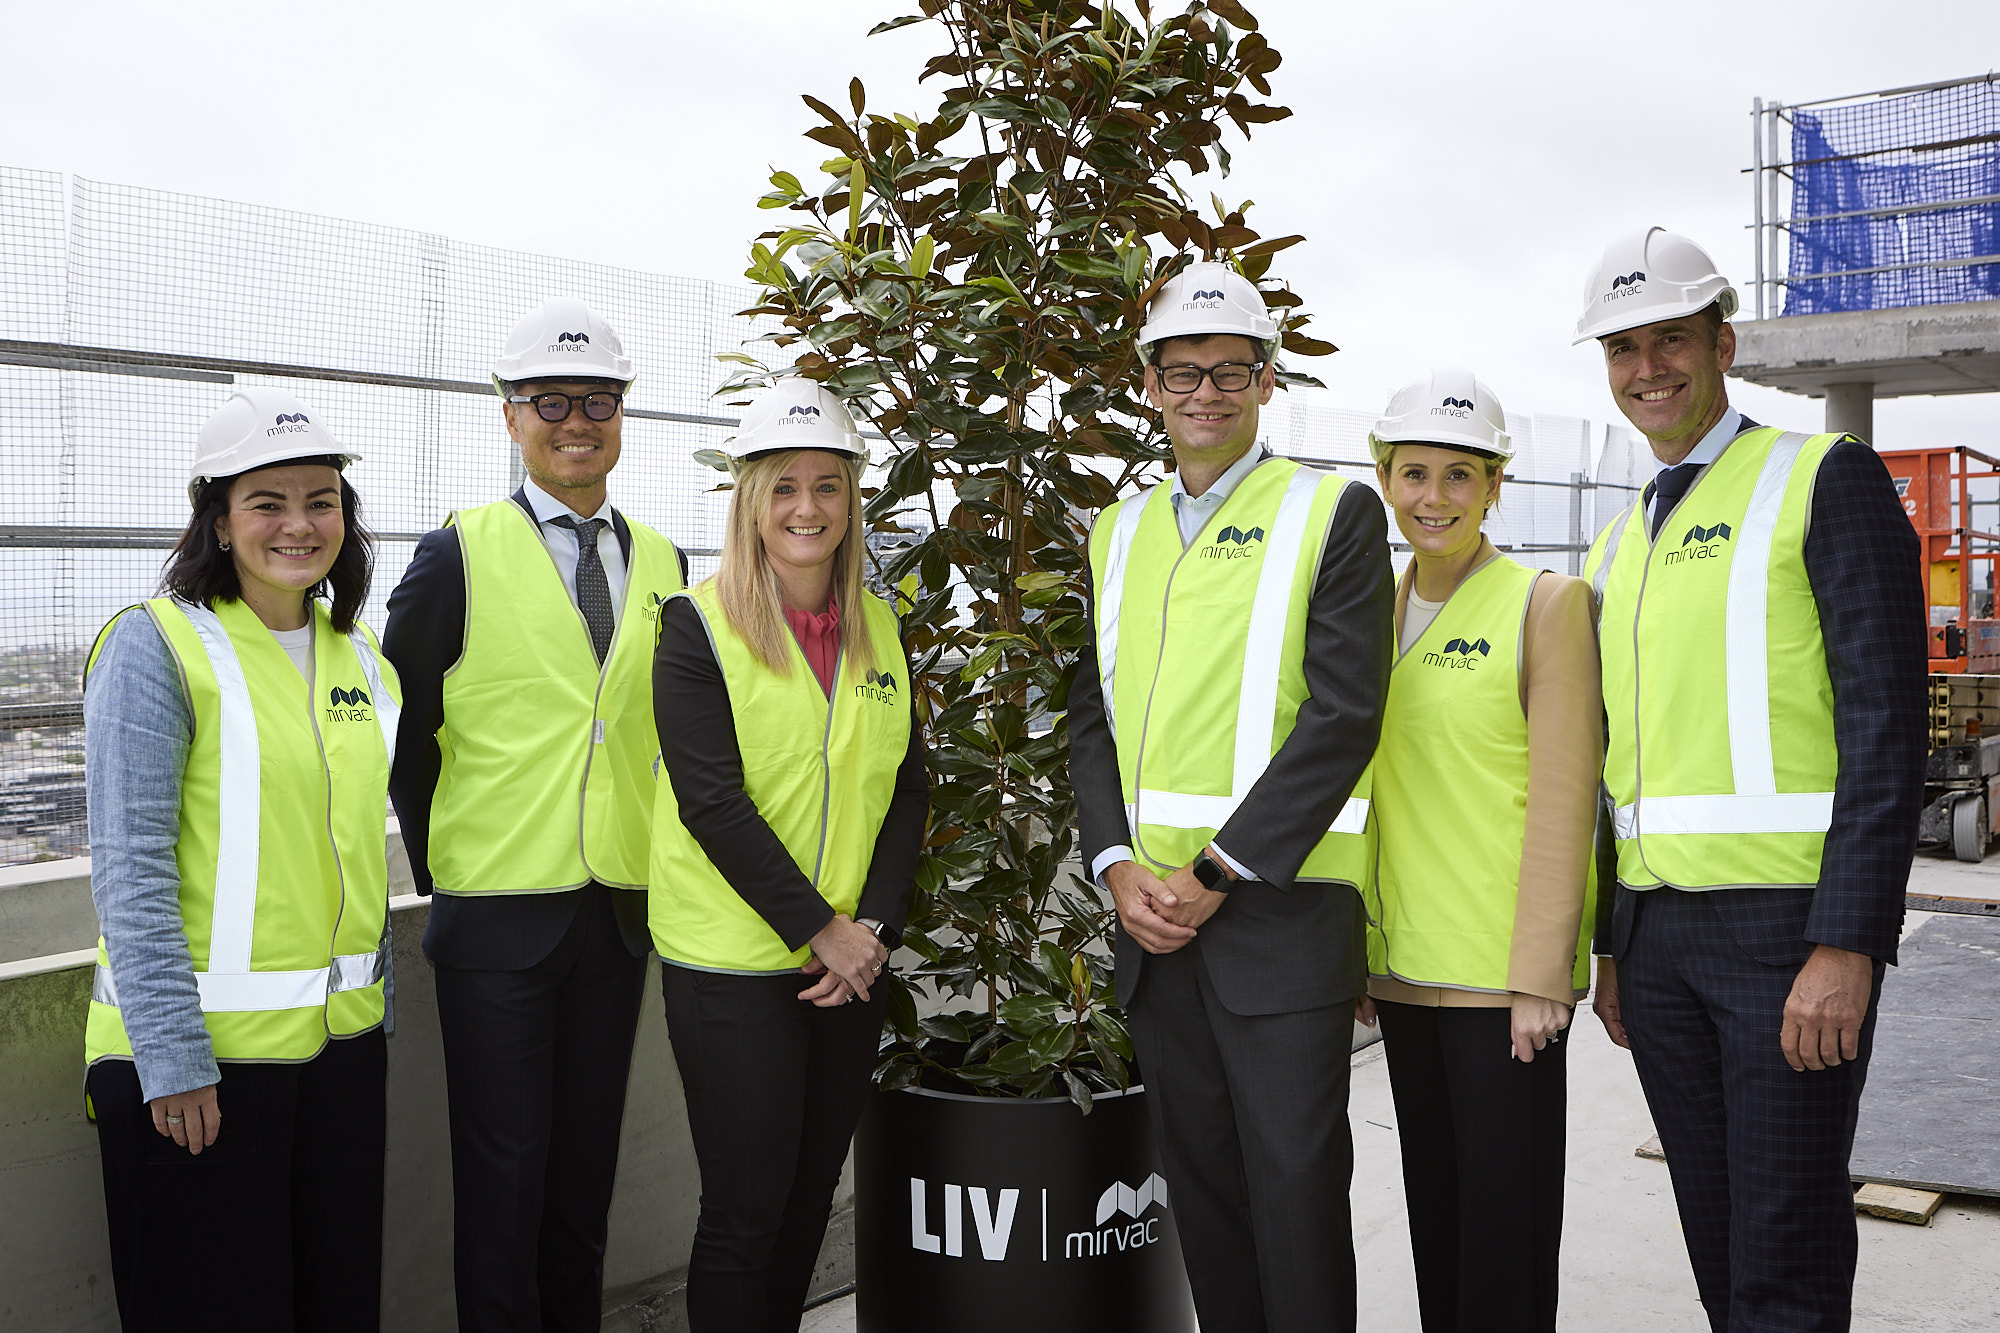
424 637
1275 946
1862 558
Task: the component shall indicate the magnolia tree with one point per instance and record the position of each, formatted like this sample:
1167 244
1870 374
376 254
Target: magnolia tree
970 284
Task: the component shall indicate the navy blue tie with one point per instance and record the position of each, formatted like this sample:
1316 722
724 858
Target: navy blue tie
1668 488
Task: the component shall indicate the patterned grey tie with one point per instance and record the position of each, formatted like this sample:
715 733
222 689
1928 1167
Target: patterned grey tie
593 589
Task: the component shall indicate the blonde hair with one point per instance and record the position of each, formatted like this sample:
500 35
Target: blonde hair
748 587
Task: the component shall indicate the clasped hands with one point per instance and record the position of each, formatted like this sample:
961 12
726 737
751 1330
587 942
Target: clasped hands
1161 914
847 959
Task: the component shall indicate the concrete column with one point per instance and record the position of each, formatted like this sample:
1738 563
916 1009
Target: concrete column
1850 410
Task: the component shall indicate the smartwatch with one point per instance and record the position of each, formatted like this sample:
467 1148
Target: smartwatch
877 929
1210 873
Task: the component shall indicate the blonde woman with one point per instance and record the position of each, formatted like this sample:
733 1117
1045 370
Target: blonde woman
1484 798
785 846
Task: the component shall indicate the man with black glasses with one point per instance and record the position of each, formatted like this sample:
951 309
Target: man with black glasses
1221 723
523 631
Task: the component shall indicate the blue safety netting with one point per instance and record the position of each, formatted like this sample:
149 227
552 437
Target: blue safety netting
1906 154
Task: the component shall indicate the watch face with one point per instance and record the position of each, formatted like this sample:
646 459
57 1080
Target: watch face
1207 871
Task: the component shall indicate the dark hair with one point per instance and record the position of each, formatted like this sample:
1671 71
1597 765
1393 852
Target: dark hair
1151 353
200 571
1711 315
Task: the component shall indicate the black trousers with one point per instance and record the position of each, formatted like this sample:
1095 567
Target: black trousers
277 1226
1482 1139
1251 1117
1759 1152
535 1062
775 1087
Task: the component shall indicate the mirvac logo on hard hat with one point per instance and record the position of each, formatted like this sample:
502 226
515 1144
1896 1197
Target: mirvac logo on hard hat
994 1211
1208 300
289 423
1232 544
1453 407
570 342
1630 283
879 686
805 412
349 705
1459 654
1699 544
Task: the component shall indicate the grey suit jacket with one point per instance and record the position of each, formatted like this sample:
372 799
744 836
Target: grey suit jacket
1277 947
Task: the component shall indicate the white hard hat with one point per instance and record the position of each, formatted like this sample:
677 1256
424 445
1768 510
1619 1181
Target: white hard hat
259 428
1448 408
1209 298
562 339
796 413
1647 276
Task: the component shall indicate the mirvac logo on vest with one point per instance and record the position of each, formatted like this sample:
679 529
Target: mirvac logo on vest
1127 1218
1232 544
1459 655
349 705
879 686
1699 544
650 608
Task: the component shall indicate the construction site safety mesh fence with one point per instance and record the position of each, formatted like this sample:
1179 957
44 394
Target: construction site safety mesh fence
127 315
1896 201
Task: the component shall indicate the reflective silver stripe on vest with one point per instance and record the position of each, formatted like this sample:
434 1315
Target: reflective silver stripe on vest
1782 812
1746 633
387 714
358 971
240 992
1611 549
1263 648
234 922
256 991
1173 809
1112 600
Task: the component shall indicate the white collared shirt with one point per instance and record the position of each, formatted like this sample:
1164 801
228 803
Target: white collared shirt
562 544
1191 515
1704 453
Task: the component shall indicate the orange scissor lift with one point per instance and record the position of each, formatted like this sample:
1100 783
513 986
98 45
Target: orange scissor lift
1944 492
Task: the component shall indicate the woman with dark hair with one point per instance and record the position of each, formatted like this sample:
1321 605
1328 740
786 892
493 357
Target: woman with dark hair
237 746
785 842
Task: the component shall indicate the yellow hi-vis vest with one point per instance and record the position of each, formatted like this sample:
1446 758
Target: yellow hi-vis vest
282 853
547 758
821 770
1721 761
1450 797
1200 650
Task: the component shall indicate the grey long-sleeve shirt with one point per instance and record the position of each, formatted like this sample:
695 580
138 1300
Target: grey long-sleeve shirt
138 730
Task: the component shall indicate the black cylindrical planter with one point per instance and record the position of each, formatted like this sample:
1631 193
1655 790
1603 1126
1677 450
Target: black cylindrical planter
985 1213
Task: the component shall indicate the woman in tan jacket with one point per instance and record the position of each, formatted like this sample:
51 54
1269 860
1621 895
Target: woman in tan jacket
1484 798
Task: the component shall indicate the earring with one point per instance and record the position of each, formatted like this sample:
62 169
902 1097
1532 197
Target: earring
223 545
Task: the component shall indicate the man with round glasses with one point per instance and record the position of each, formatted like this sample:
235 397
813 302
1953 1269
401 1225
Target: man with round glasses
524 633
1221 724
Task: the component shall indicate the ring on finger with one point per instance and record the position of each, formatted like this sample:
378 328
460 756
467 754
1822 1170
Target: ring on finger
176 1119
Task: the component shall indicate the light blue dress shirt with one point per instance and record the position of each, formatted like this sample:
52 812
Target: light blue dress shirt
1704 453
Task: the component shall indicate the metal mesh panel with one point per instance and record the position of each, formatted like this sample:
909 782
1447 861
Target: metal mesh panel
130 313
1866 181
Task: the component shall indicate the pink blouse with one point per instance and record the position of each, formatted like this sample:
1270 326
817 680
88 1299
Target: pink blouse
819 640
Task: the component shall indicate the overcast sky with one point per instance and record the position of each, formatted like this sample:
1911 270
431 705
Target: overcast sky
1456 166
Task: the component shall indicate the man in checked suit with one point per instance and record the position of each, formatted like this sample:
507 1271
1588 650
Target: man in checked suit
524 631
1764 655
1220 725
